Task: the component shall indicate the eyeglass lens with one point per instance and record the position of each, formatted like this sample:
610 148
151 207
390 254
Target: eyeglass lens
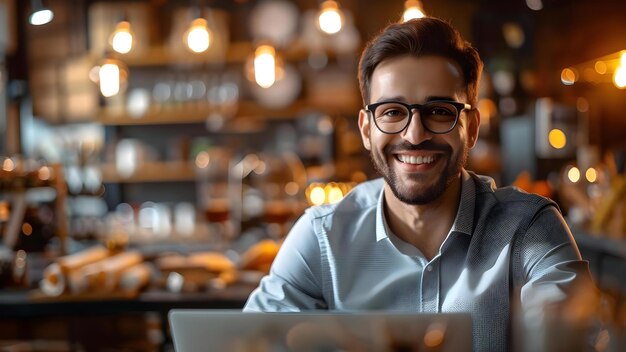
437 117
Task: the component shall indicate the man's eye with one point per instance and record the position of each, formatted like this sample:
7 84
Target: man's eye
393 113
441 111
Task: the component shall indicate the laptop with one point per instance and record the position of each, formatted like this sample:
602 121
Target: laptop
232 330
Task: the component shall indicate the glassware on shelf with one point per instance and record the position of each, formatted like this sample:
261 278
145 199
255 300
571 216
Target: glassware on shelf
272 190
214 195
584 185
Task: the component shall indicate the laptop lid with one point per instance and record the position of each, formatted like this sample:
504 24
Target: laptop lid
233 330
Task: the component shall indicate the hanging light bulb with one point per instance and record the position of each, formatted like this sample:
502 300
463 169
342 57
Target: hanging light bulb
40 15
265 66
110 75
619 78
198 36
330 17
412 9
122 38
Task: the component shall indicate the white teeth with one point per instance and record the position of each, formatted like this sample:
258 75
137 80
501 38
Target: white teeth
416 160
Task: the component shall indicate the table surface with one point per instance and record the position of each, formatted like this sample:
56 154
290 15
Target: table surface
31 303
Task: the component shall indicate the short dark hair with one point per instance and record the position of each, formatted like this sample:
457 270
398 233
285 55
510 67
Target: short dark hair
420 37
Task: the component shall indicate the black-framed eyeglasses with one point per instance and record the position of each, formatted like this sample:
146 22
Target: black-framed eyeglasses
437 116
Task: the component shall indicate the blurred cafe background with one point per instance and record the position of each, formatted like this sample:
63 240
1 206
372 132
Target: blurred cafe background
154 153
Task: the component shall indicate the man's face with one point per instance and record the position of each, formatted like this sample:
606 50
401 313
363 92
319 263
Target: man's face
418 165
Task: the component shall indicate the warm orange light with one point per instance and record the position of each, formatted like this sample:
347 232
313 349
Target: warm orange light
334 194
27 229
330 17
122 38
600 67
619 78
573 174
198 36
568 76
317 195
265 66
327 193
413 9
557 138
109 76
591 175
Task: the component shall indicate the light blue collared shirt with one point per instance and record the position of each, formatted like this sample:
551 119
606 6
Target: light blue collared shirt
505 249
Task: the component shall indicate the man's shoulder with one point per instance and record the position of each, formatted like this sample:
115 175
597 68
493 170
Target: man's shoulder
362 197
509 197
487 189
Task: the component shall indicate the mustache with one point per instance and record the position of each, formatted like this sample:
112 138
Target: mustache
425 145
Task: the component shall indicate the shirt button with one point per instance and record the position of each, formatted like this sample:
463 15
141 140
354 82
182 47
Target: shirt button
429 268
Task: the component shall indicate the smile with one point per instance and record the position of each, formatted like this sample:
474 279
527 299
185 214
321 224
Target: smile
415 160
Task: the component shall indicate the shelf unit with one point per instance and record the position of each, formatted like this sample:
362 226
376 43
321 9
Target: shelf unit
198 113
168 171
236 53
17 198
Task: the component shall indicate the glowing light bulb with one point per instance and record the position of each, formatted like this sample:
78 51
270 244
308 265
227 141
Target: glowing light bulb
622 58
122 38
330 17
265 66
41 17
334 195
557 138
568 76
412 9
619 78
591 175
198 36
109 75
317 195
573 174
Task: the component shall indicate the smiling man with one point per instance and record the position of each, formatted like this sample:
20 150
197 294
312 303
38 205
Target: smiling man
428 236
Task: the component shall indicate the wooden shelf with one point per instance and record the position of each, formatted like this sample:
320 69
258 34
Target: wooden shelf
170 171
237 53
247 111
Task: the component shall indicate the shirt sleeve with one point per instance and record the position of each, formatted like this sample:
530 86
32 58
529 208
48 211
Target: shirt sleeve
555 274
293 283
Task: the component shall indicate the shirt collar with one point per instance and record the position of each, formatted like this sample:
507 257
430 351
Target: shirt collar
463 222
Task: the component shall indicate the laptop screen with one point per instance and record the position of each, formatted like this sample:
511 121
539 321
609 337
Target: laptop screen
233 330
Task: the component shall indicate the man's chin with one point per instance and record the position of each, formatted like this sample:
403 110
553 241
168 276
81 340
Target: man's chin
417 197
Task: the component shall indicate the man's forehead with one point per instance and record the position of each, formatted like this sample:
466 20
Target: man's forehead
432 75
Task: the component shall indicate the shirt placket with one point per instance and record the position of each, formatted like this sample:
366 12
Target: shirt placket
430 287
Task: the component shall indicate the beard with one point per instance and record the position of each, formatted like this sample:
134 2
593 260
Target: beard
428 193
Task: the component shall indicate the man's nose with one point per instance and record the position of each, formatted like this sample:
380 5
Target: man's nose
415 132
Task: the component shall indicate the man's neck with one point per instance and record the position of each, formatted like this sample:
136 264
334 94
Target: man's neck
424 226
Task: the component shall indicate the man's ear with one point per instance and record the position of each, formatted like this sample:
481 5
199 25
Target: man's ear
473 127
364 128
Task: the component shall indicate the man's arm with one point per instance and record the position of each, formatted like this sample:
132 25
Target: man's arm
294 281
558 289
552 264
